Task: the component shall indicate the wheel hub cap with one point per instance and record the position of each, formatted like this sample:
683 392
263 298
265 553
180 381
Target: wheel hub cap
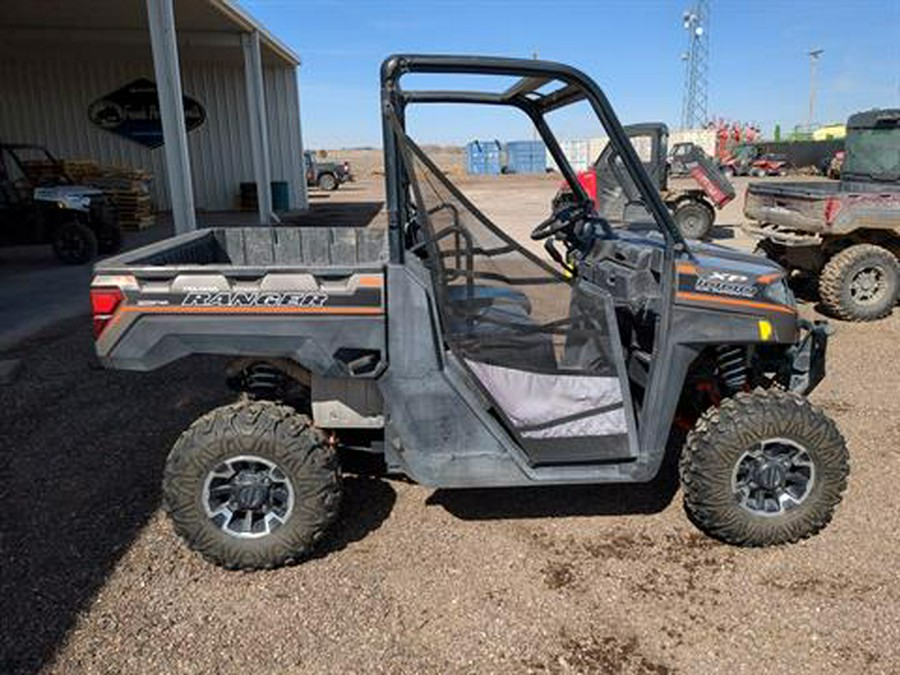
248 496
773 478
867 285
770 476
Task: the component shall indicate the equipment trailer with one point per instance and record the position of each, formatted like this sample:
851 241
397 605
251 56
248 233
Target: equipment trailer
466 360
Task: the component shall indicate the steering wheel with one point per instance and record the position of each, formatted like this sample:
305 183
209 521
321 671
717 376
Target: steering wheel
560 220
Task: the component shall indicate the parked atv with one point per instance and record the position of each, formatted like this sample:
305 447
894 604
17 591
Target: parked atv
769 164
76 220
464 359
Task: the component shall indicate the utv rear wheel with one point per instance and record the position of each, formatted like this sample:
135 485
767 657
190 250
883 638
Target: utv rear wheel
764 468
860 283
74 243
693 219
109 239
252 485
328 182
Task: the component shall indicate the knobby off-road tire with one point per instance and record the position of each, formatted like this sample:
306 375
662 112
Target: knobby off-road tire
239 452
765 422
860 283
694 220
74 243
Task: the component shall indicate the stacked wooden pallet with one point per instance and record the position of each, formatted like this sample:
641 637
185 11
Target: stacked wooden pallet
128 190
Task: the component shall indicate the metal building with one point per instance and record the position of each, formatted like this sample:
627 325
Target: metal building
82 77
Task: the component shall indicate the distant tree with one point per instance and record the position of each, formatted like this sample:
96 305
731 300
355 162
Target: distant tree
777 133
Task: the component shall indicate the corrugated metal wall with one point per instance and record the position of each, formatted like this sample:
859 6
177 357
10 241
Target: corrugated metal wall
46 102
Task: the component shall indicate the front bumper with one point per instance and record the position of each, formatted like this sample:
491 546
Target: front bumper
807 362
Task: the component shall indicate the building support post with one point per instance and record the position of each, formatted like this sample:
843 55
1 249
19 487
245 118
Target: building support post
259 132
161 18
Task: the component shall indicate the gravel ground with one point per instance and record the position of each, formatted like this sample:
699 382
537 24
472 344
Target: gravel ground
596 579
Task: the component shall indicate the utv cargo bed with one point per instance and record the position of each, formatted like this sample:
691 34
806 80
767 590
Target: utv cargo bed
258 246
271 292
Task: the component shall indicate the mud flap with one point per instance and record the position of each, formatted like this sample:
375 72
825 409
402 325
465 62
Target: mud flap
808 356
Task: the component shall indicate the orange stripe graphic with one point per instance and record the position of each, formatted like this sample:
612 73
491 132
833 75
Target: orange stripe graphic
703 297
370 282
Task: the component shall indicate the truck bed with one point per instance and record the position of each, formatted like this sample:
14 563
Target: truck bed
281 292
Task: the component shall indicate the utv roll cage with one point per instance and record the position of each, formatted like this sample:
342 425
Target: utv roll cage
573 86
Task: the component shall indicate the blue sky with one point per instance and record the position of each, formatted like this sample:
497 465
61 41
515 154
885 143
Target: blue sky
759 71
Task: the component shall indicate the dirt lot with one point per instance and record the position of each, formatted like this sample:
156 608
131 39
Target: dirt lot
597 579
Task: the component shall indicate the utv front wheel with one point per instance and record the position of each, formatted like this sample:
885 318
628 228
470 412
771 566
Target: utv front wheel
861 283
74 243
764 468
252 485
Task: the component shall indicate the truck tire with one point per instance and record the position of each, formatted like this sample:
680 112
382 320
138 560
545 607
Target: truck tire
860 283
694 219
327 181
252 485
764 468
74 243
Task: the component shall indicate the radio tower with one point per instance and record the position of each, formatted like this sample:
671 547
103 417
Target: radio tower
696 70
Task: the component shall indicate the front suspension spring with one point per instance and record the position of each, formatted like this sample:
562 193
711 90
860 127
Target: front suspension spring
732 363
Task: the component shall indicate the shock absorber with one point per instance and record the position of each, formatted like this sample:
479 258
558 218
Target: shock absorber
732 364
262 381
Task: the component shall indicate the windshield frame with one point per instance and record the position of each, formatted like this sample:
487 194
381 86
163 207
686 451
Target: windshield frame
574 86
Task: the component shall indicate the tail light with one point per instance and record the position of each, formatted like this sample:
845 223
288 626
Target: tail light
832 208
104 303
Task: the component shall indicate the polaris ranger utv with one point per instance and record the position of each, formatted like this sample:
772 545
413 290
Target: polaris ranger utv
693 209
464 359
844 234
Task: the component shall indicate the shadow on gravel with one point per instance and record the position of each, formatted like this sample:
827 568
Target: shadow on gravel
367 503
81 457
569 500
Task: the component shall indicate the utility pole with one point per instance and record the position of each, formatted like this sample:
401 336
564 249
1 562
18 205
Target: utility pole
814 55
534 133
694 104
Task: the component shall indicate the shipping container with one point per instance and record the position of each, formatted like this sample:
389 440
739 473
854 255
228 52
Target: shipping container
526 157
483 158
576 152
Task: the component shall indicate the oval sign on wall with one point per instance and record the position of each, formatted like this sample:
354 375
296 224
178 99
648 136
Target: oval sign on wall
133 113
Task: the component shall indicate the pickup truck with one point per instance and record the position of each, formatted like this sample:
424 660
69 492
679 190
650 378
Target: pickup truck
325 175
845 233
